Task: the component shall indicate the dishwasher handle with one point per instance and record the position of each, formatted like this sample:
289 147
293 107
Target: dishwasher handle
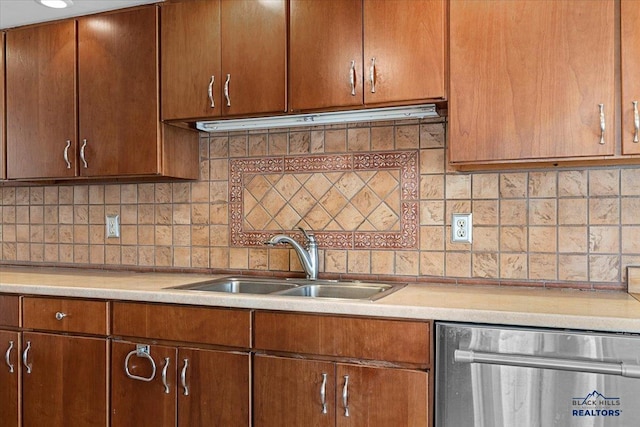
525 361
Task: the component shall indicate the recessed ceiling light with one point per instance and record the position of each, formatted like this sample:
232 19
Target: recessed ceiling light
56 4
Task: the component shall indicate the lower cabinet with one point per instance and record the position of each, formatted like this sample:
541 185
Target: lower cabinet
64 380
297 392
159 385
326 370
9 380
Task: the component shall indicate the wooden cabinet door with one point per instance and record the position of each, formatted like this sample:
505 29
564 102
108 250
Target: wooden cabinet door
325 54
630 54
190 58
214 388
9 380
376 396
406 38
3 172
41 101
135 402
254 56
117 80
527 78
288 392
64 381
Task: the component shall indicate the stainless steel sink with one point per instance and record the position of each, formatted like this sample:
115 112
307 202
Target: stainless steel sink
240 285
330 289
368 291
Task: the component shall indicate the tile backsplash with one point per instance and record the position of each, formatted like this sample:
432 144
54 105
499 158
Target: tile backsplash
379 197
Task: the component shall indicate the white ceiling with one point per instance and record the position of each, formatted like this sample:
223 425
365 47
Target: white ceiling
14 13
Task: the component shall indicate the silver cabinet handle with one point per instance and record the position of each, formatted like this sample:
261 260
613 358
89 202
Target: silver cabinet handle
164 375
7 357
352 78
372 75
636 121
226 90
140 351
25 357
66 154
345 395
60 315
210 91
82 157
183 377
611 368
323 393
602 123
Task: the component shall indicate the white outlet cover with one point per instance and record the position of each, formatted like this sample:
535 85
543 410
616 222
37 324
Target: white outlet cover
466 236
112 226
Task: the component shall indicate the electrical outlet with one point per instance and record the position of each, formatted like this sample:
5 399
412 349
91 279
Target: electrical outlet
461 228
113 226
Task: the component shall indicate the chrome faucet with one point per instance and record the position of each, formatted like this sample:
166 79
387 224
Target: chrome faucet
308 256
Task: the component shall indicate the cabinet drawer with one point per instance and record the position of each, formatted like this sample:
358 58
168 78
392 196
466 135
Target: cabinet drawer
204 325
9 310
373 339
66 315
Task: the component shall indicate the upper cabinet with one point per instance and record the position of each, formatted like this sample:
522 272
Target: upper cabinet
403 50
346 53
223 58
531 80
325 54
41 101
630 54
82 101
2 109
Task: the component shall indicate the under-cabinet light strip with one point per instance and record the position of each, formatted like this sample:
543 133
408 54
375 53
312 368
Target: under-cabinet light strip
315 119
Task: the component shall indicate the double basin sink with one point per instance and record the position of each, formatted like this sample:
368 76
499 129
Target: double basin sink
350 290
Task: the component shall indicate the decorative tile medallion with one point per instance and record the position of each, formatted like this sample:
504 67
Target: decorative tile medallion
350 201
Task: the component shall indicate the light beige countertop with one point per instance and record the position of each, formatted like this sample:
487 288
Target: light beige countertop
587 310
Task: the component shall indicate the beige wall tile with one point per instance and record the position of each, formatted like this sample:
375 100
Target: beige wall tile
631 240
486 186
604 182
573 239
630 182
604 239
458 187
513 266
572 211
513 185
573 267
542 212
382 138
542 184
485 264
485 239
542 239
407 263
513 212
458 264
432 263
604 211
513 239
604 268
485 212
572 183
543 266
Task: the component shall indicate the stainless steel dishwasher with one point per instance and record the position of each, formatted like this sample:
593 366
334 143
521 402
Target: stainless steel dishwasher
489 376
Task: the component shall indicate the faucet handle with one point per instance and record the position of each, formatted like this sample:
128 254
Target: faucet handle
308 235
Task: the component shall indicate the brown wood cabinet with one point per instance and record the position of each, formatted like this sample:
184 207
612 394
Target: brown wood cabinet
236 56
321 385
192 385
10 345
630 68
41 101
3 172
64 377
402 43
527 79
82 101
403 50
325 54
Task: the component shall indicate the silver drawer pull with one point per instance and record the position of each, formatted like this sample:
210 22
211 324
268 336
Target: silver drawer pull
226 90
82 155
602 123
25 357
66 154
164 375
345 395
352 78
636 121
323 393
183 377
60 315
7 357
372 75
210 91
140 351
